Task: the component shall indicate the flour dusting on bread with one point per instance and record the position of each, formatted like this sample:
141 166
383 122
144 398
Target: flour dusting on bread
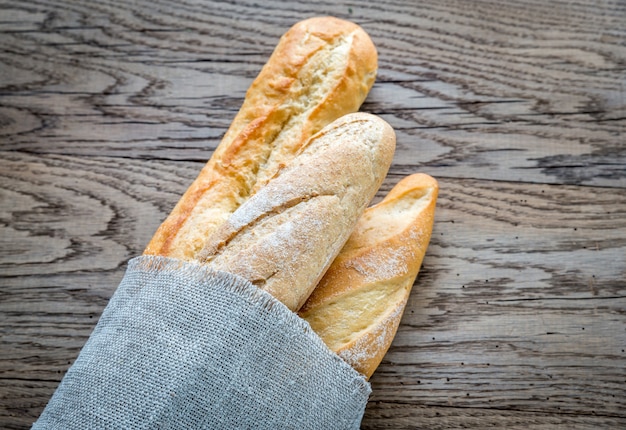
357 306
321 70
320 196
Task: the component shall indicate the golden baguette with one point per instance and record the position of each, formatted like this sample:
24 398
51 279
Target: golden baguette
321 69
286 235
357 306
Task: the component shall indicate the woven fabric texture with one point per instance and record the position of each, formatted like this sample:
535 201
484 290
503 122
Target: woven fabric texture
183 347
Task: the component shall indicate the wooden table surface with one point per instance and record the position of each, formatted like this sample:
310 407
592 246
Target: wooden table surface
109 109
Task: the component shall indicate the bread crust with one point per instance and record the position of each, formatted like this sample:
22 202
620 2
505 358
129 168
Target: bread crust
321 69
357 306
286 235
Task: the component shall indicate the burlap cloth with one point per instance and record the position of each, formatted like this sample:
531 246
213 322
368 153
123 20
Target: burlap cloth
183 347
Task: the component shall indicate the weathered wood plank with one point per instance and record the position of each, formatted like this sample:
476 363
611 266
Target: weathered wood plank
403 416
494 95
108 208
65 210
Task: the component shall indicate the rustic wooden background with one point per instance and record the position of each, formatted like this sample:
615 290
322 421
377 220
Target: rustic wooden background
109 109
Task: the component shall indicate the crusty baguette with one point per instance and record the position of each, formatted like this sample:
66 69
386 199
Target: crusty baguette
286 235
321 69
357 306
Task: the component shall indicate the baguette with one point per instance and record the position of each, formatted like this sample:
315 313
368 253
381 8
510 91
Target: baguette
321 69
357 306
287 234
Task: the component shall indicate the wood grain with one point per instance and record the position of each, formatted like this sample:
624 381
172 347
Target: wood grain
108 110
477 94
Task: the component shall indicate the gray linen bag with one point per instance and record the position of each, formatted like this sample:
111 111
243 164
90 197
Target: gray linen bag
182 347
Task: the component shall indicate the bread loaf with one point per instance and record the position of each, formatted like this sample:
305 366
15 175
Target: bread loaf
321 69
286 235
357 306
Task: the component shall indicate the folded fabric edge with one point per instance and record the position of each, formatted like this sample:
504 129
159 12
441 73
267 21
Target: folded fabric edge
198 273
170 351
